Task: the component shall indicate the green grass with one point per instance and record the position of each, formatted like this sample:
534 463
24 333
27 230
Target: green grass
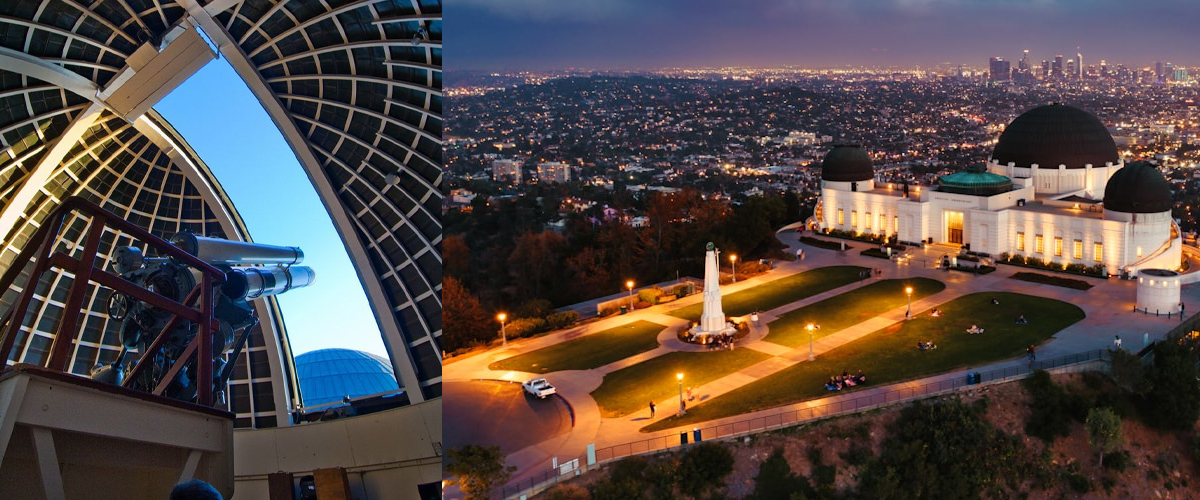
587 352
778 292
890 354
848 309
632 389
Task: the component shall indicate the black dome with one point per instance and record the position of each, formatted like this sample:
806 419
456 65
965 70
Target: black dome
847 163
1056 135
1138 188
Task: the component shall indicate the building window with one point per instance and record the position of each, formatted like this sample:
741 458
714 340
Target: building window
1058 246
854 219
1020 242
841 217
1037 244
896 224
1139 252
867 220
883 223
1077 250
1098 252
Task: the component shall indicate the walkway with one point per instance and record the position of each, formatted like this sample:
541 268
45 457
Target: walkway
1108 306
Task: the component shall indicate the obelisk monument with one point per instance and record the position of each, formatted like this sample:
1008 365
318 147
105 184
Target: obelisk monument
712 319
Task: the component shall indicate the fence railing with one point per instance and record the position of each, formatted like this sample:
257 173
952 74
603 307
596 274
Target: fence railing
846 404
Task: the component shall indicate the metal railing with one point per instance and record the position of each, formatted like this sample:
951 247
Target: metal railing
842 405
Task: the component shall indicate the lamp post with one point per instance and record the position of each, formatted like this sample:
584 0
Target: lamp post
908 313
503 336
810 329
733 266
629 285
679 377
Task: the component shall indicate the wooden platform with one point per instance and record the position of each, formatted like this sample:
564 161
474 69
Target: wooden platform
66 437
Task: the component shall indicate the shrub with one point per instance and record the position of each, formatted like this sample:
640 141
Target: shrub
775 479
649 295
1050 408
828 245
568 491
478 469
704 467
524 327
561 320
1118 460
608 489
535 308
1052 280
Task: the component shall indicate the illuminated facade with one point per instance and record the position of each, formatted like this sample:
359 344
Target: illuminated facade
1054 190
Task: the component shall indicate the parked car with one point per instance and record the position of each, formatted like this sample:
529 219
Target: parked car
539 387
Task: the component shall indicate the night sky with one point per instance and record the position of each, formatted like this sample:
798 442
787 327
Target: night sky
651 34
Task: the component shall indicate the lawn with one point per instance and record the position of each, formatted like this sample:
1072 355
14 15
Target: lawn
631 389
848 309
778 292
890 354
587 352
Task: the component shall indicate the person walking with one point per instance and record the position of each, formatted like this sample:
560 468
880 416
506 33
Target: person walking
1032 353
1117 342
652 409
689 394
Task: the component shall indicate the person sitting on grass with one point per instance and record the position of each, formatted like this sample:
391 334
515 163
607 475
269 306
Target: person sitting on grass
974 329
832 385
937 313
860 378
926 345
1021 320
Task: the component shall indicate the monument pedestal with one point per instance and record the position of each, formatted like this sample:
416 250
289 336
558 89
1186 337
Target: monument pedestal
63 436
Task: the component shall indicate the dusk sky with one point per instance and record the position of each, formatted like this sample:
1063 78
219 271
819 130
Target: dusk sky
633 34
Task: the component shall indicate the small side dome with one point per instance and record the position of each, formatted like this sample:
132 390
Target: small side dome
847 163
1138 188
975 180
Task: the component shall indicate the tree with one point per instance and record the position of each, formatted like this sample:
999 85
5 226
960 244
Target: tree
464 320
456 256
775 479
530 256
1174 397
704 467
478 469
1104 430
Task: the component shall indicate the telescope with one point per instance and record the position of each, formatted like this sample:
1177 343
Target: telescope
252 271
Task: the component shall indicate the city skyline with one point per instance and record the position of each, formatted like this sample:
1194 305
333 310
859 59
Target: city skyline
619 35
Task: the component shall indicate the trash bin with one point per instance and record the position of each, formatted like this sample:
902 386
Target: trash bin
978 378
683 437
696 435
624 309
971 380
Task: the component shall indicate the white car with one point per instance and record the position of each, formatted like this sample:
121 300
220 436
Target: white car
539 387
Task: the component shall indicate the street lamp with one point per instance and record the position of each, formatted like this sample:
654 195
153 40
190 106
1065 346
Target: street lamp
908 313
503 336
810 329
733 266
629 285
679 377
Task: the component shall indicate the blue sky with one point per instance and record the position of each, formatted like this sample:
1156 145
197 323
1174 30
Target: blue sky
223 121
631 34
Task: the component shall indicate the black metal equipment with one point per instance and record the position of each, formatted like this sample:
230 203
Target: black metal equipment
174 280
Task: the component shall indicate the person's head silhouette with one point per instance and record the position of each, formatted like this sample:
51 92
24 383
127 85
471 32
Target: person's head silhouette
195 489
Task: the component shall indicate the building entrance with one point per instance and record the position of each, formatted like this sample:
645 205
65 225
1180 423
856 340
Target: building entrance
954 227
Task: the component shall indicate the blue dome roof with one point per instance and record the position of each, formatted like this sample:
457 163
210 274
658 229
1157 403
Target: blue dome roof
328 375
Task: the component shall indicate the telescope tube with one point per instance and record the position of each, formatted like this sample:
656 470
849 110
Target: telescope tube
233 253
254 282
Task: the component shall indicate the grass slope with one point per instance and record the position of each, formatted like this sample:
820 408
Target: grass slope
632 389
778 292
890 354
848 309
587 352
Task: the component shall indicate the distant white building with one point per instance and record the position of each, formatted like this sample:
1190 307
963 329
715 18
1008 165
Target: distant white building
554 171
507 171
1054 189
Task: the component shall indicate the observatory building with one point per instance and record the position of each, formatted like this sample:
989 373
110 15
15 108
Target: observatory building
1054 190
354 88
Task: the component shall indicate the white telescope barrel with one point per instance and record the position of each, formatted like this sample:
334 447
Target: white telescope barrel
254 282
233 253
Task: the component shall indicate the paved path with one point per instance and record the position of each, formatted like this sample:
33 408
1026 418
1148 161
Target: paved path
1108 306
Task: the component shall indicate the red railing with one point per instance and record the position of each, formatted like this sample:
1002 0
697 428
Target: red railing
40 251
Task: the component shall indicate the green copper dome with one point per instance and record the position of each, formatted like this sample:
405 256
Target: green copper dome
975 180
